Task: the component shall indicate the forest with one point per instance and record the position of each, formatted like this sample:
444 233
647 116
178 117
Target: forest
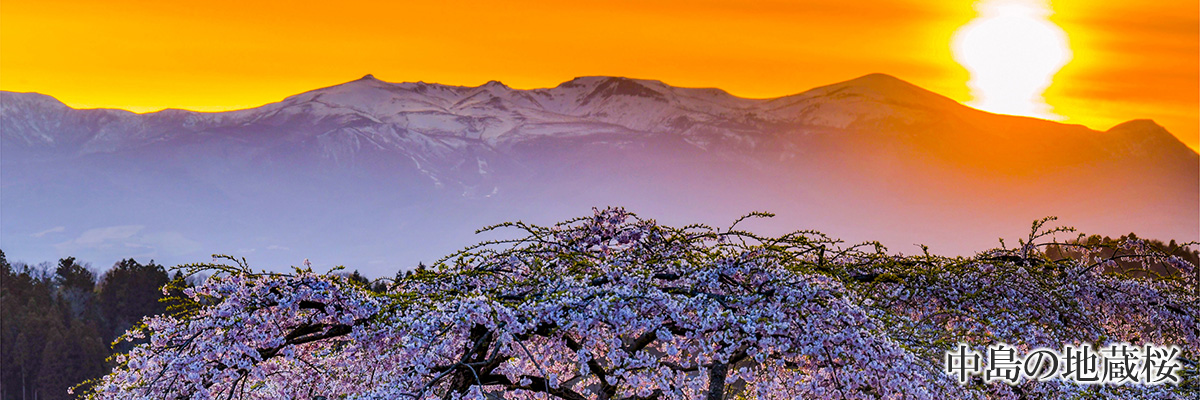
60 321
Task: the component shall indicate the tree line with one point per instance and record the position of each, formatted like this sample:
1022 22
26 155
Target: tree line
59 321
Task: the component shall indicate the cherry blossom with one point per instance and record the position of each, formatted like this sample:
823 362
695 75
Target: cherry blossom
612 306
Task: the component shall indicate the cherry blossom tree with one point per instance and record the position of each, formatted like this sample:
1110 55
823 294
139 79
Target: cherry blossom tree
612 306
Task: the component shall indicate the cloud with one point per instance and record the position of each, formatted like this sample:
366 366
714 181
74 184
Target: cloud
56 229
100 238
277 247
149 244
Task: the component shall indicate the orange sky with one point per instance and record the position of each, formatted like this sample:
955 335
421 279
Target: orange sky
1132 59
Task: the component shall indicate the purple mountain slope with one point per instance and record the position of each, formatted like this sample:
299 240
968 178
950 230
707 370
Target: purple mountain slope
378 176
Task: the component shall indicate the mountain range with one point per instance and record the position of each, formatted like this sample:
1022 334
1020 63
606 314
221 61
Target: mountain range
379 176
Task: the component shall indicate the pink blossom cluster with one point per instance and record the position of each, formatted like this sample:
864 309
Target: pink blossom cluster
616 307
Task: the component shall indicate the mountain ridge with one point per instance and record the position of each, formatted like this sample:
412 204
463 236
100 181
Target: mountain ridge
405 171
875 87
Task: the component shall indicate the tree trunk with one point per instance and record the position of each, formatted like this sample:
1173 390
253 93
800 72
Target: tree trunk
716 381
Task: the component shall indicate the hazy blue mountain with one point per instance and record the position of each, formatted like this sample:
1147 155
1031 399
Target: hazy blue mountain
378 175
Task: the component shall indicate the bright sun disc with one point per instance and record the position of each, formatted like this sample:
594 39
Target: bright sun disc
1012 51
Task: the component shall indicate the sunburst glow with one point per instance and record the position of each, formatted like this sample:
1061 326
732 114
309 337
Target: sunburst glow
1012 52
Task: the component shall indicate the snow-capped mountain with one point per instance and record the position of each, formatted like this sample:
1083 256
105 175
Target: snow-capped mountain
377 175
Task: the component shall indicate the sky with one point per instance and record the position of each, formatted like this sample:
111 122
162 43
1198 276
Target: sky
1130 59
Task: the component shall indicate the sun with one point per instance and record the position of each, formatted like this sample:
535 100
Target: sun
1012 52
